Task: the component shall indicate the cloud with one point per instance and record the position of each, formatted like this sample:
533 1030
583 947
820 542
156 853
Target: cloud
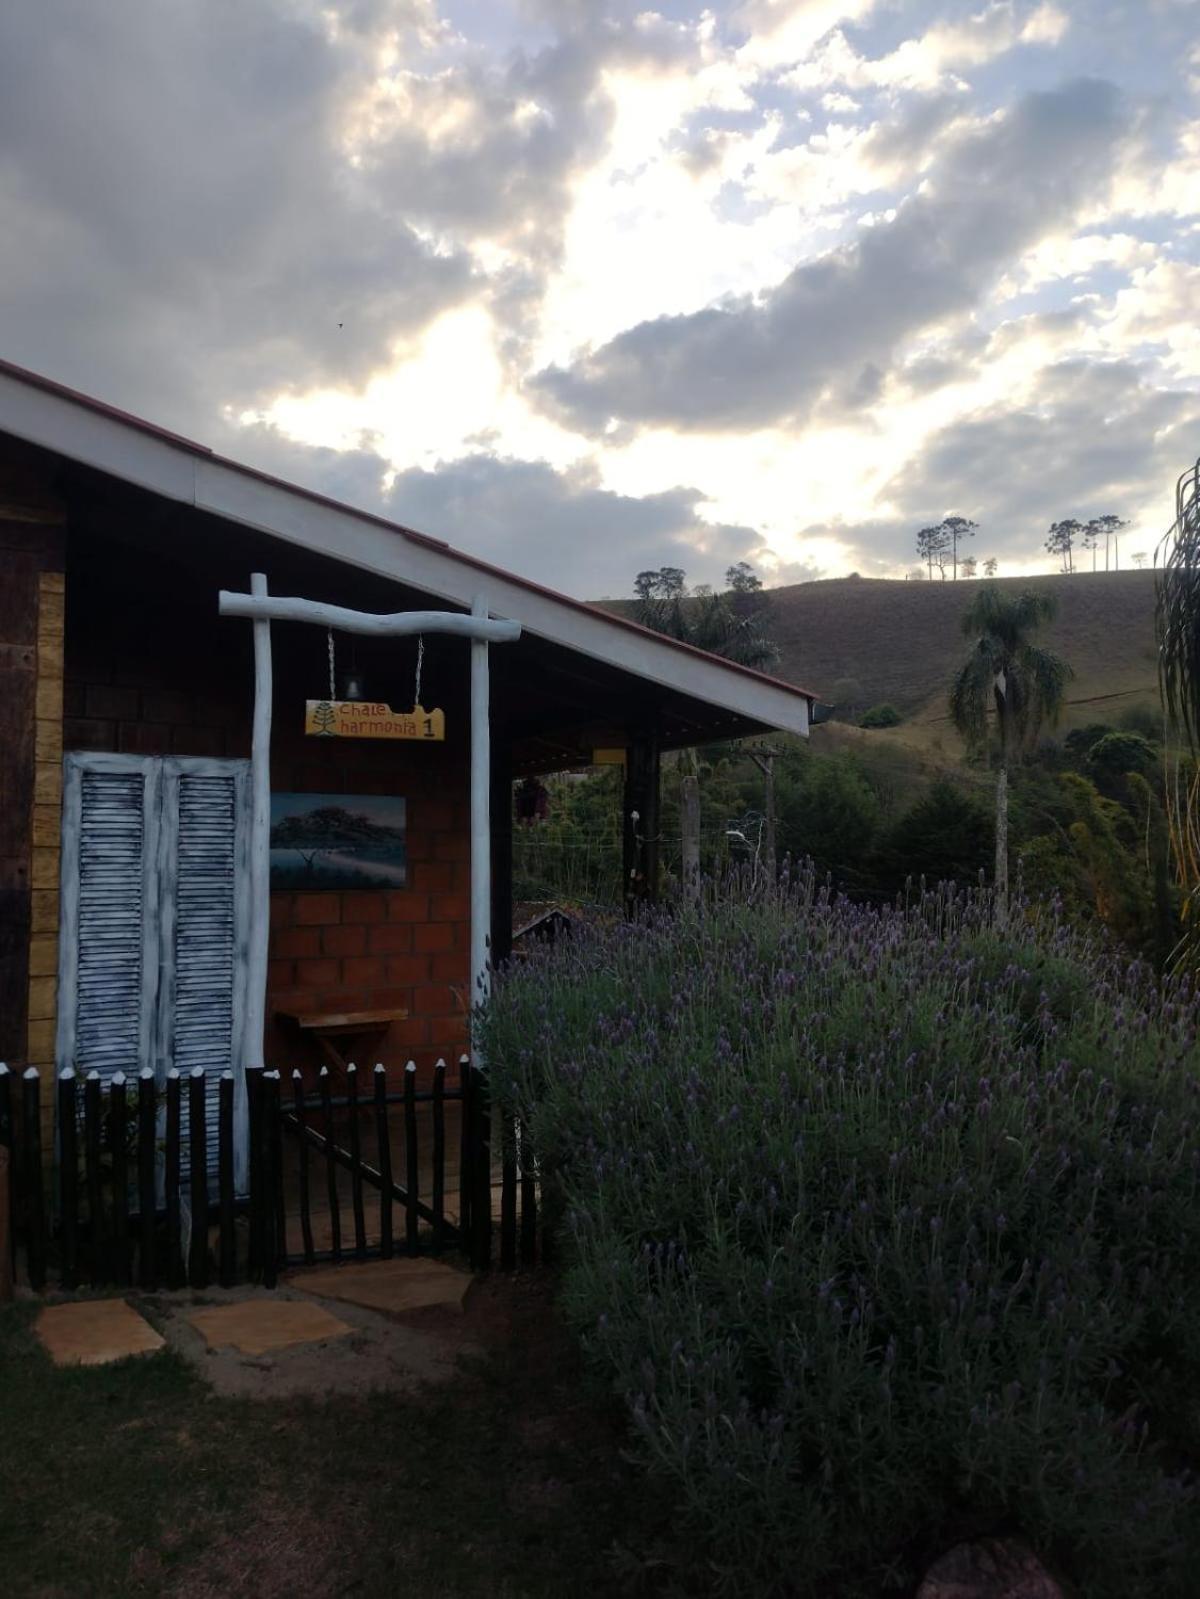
995 192
1096 437
563 528
209 204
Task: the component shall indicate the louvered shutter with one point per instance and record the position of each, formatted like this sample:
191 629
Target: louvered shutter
202 945
154 918
108 929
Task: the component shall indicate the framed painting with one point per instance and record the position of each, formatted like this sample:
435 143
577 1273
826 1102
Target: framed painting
336 841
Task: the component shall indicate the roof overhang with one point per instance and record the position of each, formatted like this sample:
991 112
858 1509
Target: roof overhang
84 431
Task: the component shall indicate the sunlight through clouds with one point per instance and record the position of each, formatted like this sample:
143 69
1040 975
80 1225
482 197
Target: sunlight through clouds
785 278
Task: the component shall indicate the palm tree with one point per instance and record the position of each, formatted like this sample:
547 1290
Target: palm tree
1006 673
1177 620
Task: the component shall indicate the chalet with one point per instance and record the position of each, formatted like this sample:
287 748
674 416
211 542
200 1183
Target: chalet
257 753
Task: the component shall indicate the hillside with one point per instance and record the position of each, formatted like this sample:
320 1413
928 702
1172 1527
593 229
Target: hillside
902 642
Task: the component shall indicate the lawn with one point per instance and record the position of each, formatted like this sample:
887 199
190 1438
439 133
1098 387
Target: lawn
133 1479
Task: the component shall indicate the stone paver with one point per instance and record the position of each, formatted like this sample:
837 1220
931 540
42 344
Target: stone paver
92 1332
260 1326
392 1286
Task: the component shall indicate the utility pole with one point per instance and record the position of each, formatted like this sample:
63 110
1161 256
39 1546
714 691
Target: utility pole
764 759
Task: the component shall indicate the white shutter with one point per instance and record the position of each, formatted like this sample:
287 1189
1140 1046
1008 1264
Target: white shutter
108 931
202 940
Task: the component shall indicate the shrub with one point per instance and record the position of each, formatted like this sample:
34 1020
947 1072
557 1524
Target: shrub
884 1227
946 836
885 715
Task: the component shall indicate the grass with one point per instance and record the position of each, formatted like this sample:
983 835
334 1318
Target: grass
133 1480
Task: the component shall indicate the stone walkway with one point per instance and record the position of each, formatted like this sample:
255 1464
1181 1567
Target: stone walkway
397 1324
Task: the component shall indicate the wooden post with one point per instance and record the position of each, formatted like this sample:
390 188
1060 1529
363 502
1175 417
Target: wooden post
272 1243
465 1151
641 822
198 1175
118 1143
147 1185
172 1179
481 832
68 1177
411 1218
439 1156
765 761
502 849
97 1254
356 1182
227 1258
254 1253
689 831
255 1014
331 1187
383 1159
306 1232
481 1162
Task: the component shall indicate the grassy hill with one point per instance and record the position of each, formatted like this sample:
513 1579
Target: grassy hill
903 641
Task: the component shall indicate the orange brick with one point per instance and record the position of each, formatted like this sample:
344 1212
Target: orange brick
449 1032
318 973
433 936
406 906
450 967
360 907
435 1000
390 999
281 974
317 910
451 847
392 938
450 908
435 877
412 1033
344 940
296 943
364 970
407 969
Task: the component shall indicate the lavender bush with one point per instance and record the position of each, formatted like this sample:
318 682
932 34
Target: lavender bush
885 1227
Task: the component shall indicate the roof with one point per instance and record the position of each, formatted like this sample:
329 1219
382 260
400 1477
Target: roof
48 414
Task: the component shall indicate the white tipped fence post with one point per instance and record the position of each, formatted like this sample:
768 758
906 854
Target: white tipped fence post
6 1281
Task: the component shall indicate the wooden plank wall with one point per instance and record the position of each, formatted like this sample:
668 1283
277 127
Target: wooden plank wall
32 599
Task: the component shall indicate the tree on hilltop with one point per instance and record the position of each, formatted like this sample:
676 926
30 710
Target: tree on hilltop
1061 541
940 542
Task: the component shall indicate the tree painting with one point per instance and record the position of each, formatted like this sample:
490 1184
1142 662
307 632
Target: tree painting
334 841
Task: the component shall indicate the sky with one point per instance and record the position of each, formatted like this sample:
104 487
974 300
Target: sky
585 287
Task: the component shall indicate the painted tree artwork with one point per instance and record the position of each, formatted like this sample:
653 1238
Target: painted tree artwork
338 841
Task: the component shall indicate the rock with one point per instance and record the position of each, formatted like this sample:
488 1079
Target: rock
992 1568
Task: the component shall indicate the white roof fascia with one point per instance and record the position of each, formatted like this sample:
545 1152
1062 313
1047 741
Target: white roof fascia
121 449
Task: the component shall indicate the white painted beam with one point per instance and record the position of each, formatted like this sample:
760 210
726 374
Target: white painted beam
255 1014
396 624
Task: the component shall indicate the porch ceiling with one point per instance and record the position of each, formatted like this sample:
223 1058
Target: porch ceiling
552 704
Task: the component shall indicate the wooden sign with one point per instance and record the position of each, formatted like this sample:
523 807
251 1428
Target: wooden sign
370 719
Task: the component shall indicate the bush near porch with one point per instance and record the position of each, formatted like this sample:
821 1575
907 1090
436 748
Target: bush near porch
885 1228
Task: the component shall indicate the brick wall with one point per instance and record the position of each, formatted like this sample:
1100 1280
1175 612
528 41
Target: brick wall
151 671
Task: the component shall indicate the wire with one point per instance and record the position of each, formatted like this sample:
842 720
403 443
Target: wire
420 663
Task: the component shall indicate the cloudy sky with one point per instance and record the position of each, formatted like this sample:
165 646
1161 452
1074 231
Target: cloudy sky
584 286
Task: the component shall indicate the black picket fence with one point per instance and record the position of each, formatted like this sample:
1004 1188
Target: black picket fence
147 1186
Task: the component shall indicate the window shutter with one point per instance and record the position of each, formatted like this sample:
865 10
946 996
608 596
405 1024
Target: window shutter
202 945
108 943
